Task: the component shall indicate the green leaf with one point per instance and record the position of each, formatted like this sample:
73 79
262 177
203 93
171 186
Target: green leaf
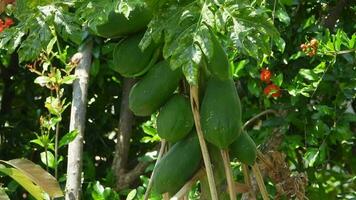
278 80
310 156
50 159
24 181
50 45
253 88
280 43
42 80
308 74
68 79
38 175
282 15
67 138
131 195
97 192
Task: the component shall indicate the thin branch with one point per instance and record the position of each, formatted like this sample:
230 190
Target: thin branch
258 116
194 99
161 151
260 181
228 174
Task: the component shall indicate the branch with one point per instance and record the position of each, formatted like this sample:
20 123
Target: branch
126 179
258 116
124 130
194 99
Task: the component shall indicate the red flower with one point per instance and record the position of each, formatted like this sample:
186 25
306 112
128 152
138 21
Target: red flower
8 22
266 75
1 25
272 90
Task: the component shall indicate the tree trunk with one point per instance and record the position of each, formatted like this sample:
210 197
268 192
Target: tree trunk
125 130
334 14
77 122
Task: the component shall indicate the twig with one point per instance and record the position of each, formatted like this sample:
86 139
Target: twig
228 174
248 181
260 182
258 116
149 186
188 185
194 99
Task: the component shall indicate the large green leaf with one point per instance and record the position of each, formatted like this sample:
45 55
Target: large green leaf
24 181
37 175
183 27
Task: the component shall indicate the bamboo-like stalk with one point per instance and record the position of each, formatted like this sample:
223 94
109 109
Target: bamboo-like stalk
194 100
247 180
228 173
260 182
160 154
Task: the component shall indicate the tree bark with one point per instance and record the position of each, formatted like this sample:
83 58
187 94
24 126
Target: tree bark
334 14
124 131
77 122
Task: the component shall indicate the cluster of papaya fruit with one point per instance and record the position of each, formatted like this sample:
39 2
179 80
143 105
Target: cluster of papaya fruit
156 91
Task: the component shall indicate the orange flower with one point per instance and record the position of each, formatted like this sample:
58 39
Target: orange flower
272 90
265 75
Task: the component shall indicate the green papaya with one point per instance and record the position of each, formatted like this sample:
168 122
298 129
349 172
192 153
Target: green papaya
175 119
149 94
218 63
118 25
177 166
244 149
221 112
129 60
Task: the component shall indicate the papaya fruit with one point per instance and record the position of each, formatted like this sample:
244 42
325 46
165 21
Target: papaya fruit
129 60
244 149
117 25
218 63
221 112
175 119
177 166
155 88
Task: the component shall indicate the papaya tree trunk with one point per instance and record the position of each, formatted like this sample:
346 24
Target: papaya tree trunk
77 121
123 176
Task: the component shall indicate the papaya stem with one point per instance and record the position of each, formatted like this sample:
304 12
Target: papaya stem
258 116
160 154
260 182
188 185
228 173
248 181
194 100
